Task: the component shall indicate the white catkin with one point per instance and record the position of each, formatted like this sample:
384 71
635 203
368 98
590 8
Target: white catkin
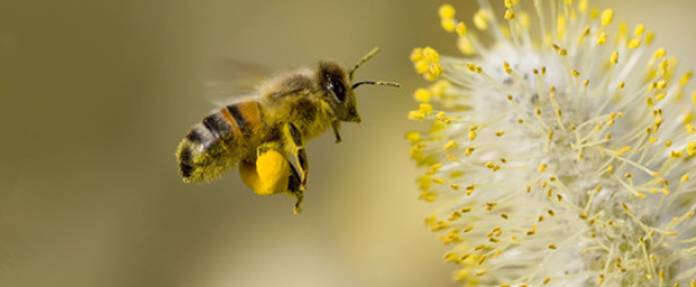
559 155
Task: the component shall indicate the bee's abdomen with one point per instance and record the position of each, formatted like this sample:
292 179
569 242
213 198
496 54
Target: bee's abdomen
218 141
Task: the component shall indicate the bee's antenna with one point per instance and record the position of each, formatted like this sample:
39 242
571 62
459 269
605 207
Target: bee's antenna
377 83
364 59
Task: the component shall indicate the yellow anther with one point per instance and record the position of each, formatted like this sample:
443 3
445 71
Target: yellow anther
561 51
434 168
474 68
542 167
622 151
481 19
430 54
446 11
622 85
465 46
561 26
510 3
582 6
524 19
552 246
416 115
506 68
690 128
470 189
468 151
614 59
607 17
416 54
413 136
649 38
422 95
499 133
442 117
472 134
425 108
633 43
601 38
659 53
451 145
676 154
684 80
448 24
461 29
532 230
691 148
492 166
639 30
509 14
426 61
684 178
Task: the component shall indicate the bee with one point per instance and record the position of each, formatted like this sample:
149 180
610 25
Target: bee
264 134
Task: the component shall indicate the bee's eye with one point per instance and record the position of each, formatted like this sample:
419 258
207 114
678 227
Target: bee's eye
337 88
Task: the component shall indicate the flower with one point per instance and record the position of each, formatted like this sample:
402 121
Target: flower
560 155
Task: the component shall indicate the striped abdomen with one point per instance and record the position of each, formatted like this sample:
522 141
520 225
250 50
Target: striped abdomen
219 141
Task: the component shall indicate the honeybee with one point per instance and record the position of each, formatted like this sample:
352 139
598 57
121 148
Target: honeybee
264 134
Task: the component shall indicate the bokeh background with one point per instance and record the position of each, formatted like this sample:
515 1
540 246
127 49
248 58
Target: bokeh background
95 95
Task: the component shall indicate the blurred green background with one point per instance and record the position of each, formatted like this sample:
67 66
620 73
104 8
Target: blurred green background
96 95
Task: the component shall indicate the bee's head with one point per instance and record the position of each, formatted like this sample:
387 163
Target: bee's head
338 92
338 86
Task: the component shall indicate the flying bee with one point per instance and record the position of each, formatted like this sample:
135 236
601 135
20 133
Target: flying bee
264 134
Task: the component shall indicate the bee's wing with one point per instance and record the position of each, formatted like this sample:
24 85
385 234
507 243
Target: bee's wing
230 80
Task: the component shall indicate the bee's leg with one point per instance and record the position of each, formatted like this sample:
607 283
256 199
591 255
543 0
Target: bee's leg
336 125
295 188
295 148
